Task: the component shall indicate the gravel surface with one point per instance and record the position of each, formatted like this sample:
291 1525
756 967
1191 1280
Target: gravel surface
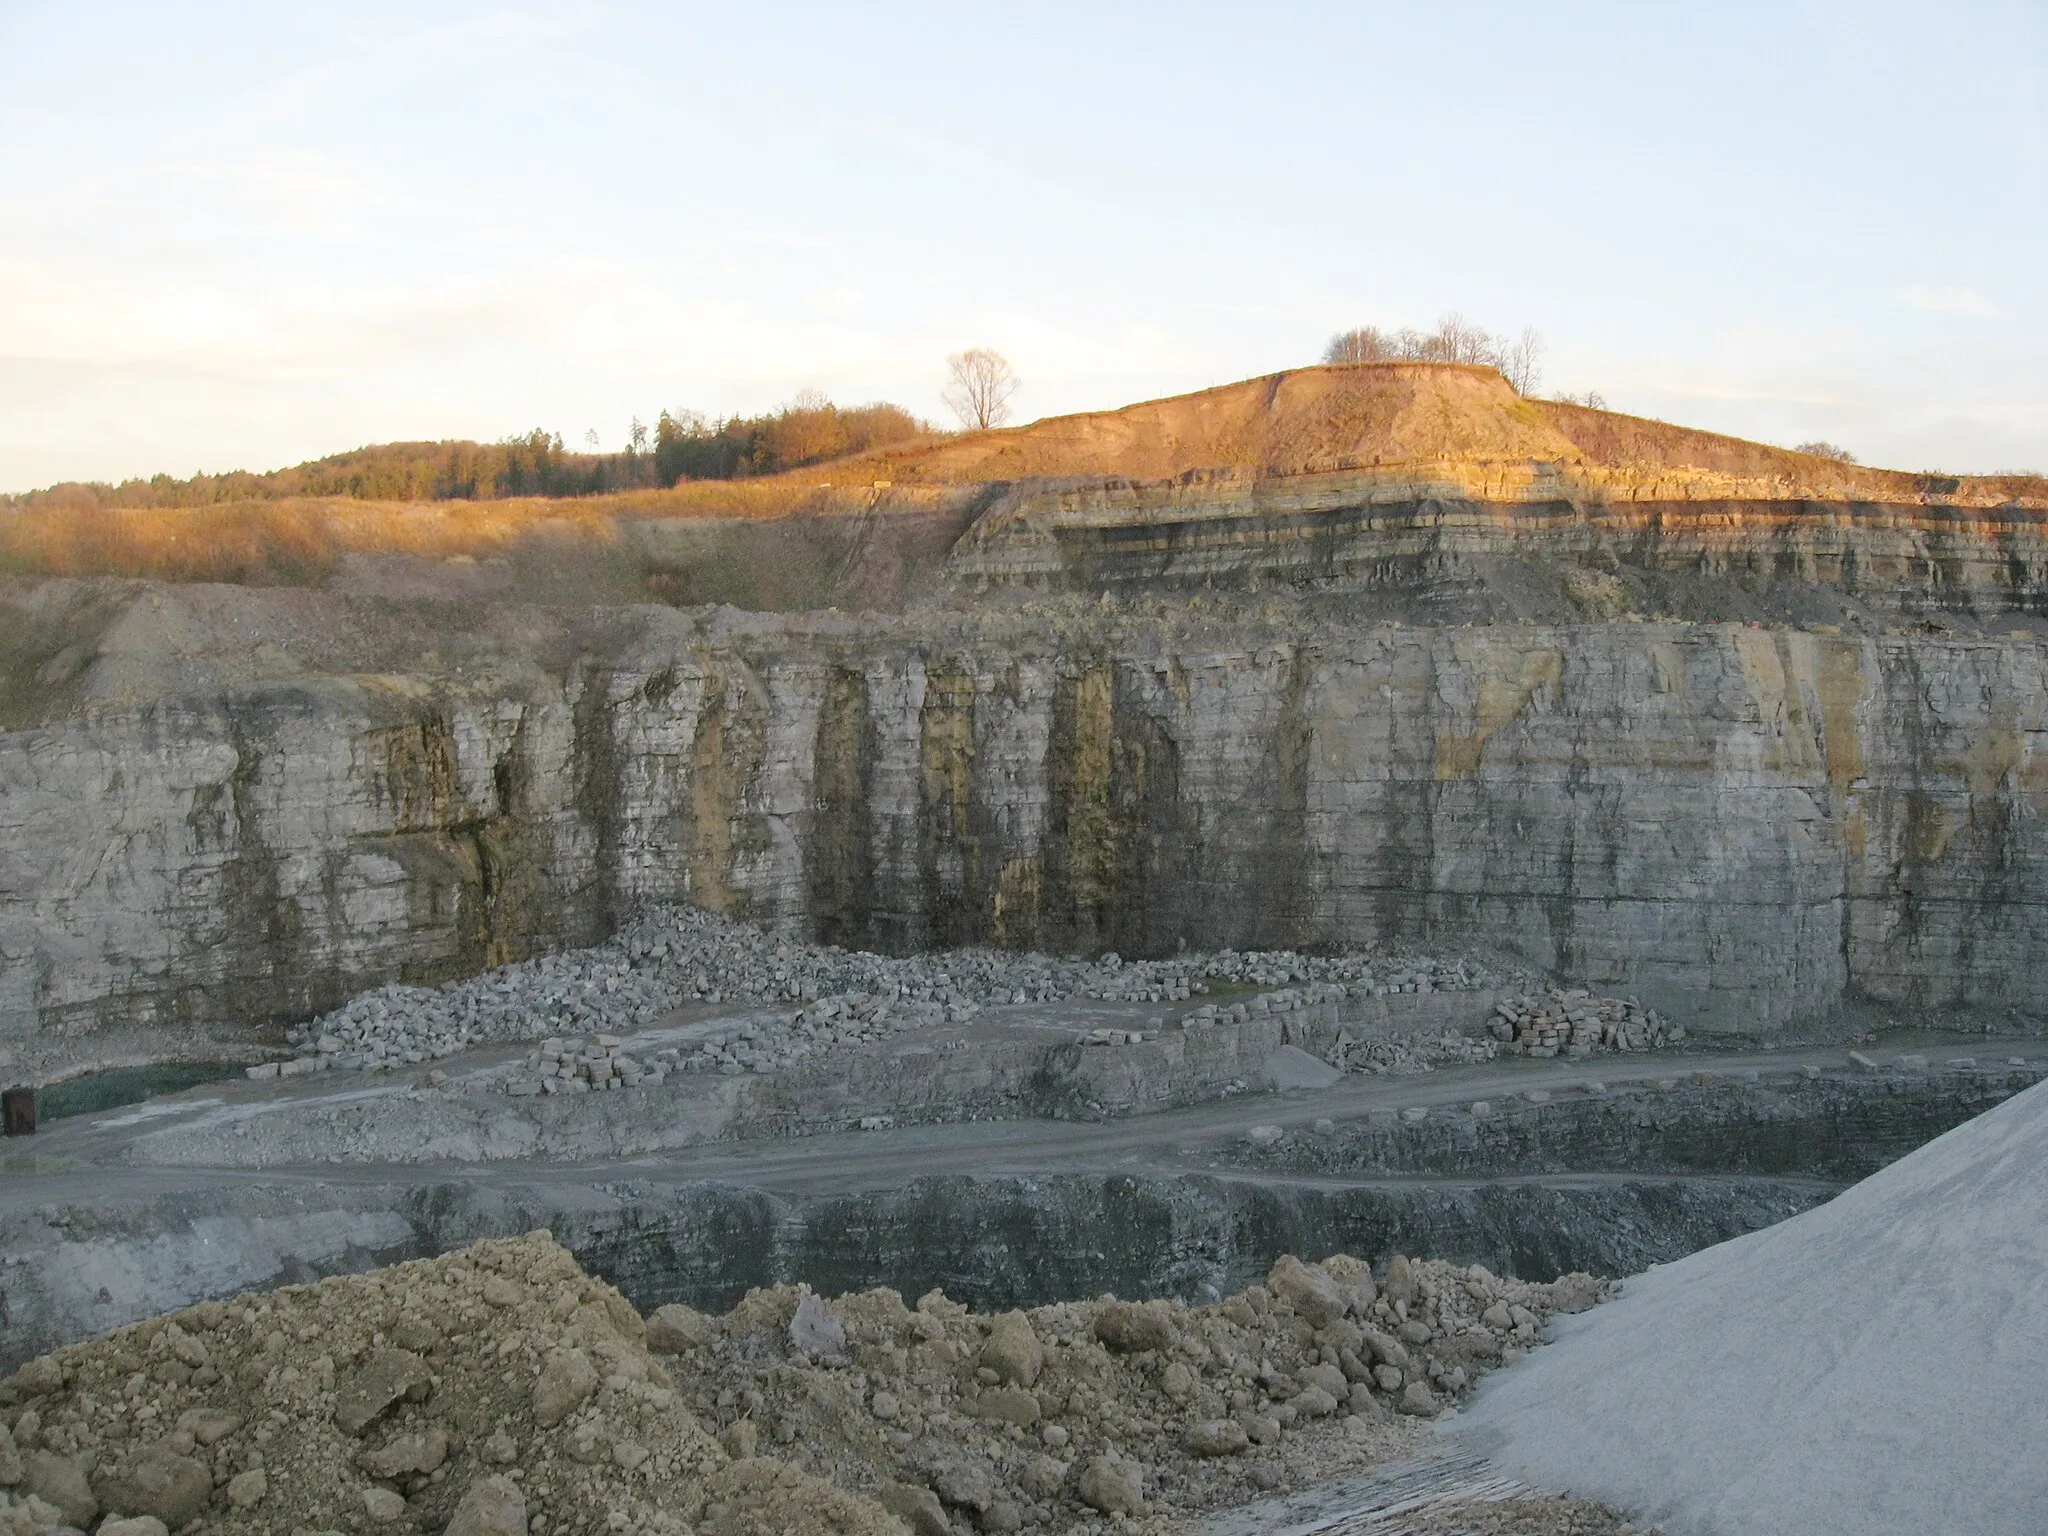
1876 1365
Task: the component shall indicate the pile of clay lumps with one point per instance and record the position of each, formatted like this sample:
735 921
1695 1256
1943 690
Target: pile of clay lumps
501 1391
1078 1413
496 1391
1577 1023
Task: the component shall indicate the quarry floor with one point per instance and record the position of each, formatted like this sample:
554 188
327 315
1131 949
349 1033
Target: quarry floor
164 1142
1607 1163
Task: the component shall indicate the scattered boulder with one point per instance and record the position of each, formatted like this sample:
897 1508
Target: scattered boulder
414 1451
1313 1403
1013 1351
387 1376
1386 1349
962 1480
1009 1405
814 1331
566 1378
245 1490
208 1426
40 1377
1328 1377
494 1506
134 1525
1401 1286
1043 1478
417 1334
675 1328
60 1481
10 1459
1216 1437
1131 1327
918 1508
1416 1398
1112 1485
156 1481
382 1505
1354 1281
1309 1289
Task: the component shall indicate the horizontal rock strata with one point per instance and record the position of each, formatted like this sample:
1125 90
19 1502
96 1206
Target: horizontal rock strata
1735 826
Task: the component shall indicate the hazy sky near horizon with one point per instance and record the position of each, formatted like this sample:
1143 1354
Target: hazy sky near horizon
241 236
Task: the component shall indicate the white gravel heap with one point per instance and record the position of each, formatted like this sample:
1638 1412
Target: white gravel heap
1877 1365
673 956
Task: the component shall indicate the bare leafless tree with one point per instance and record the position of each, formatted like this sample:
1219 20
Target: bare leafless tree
1521 361
1455 340
1366 344
1825 450
979 388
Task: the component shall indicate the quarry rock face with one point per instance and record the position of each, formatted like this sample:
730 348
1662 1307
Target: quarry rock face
1736 825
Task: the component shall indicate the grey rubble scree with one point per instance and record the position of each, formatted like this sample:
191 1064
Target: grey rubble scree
877 1040
674 957
1876 1365
500 1378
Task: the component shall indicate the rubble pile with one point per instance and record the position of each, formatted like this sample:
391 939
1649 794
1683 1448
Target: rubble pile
597 1065
490 1392
1384 1054
1066 1414
499 1390
1362 975
1576 1023
670 957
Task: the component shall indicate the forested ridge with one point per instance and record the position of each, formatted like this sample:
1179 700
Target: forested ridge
680 446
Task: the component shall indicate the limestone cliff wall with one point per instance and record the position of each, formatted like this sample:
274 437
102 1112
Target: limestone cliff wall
1740 825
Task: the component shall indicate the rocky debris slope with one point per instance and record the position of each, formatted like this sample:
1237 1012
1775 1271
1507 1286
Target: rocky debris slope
500 1390
671 957
1875 1365
1072 1412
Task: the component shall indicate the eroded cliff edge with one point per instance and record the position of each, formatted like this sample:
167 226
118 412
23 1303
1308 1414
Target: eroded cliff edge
233 805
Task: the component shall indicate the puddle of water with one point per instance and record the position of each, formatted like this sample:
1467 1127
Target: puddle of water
126 1085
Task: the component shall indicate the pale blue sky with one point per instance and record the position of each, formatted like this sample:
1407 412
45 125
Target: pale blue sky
246 235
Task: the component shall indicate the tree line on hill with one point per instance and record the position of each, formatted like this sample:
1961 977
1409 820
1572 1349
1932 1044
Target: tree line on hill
680 446
1455 340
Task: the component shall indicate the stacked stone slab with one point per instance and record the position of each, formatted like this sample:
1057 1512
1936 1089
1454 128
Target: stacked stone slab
597 1065
1577 1023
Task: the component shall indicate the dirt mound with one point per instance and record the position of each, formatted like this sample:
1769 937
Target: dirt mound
1305 421
500 1390
1384 415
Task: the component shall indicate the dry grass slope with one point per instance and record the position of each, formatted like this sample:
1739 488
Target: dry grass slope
303 541
1333 418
